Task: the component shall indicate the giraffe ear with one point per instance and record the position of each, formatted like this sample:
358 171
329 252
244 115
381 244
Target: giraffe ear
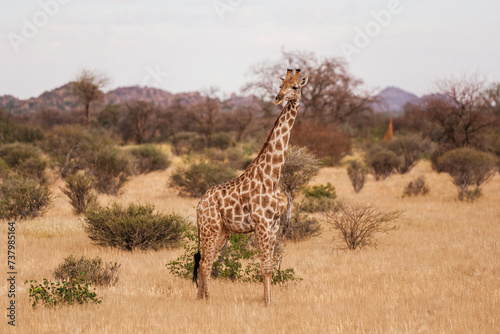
282 80
303 81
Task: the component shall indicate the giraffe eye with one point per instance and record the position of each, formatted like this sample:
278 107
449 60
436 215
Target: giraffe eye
294 87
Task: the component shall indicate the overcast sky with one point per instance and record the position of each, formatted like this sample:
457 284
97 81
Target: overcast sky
191 45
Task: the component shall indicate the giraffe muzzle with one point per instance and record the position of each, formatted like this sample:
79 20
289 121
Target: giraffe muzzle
278 99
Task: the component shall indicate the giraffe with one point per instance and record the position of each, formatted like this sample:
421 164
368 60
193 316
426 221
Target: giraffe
252 202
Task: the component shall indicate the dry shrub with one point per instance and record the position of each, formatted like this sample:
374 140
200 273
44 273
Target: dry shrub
194 180
4 169
383 163
313 204
358 224
468 167
301 227
135 226
92 270
416 187
324 141
78 188
357 174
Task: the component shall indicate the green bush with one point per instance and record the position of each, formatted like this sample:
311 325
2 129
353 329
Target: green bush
78 188
135 226
92 270
28 133
416 187
321 191
383 163
111 168
195 179
149 158
319 198
468 167
57 293
23 198
302 227
357 174
15 154
237 261
24 159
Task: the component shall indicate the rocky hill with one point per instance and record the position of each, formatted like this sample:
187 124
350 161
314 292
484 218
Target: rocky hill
62 99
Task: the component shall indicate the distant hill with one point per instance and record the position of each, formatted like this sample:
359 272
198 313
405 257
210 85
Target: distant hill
392 99
62 99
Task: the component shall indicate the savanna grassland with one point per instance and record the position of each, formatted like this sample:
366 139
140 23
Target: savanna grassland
438 273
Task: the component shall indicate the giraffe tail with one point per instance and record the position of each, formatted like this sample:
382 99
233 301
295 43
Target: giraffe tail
197 256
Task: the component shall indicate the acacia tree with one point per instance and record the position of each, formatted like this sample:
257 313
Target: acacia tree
88 87
171 121
459 112
138 121
240 120
206 115
332 95
299 168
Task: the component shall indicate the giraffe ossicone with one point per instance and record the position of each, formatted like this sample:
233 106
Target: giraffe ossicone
252 202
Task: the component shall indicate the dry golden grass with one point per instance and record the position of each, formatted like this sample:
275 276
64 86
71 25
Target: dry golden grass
439 273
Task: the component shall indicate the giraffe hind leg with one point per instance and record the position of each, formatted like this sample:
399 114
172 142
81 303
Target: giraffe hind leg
211 244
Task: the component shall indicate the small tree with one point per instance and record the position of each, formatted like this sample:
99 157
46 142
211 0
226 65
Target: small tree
410 149
137 122
357 175
468 167
299 168
69 147
357 224
88 87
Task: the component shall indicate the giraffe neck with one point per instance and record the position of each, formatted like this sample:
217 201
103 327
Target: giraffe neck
271 157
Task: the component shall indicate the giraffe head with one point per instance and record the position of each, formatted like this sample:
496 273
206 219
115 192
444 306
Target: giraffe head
290 87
